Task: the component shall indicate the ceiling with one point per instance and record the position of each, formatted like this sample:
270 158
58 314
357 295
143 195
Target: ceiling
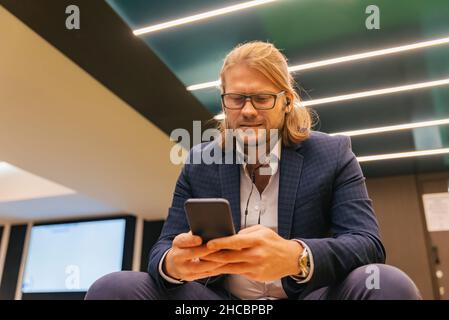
313 30
150 72
70 147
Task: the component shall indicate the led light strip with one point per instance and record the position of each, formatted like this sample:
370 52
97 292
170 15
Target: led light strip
393 128
353 57
220 116
200 16
403 155
204 85
369 54
371 93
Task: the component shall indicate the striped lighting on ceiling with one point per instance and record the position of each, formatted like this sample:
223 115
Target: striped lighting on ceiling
398 127
343 59
377 92
400 155
200 16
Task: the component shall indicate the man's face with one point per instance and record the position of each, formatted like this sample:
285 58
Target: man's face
246 80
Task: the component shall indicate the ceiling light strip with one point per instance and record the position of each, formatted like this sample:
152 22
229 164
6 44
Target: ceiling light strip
393 128
204 85
369 54
371 93
403 155
200 16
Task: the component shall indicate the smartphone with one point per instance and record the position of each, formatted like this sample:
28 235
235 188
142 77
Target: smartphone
209 218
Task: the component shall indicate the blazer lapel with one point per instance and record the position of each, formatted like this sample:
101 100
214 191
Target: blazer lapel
290 170
230 189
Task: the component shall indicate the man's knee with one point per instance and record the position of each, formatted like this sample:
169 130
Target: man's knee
380 281
123 285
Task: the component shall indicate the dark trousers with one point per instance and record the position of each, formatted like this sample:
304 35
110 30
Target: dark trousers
392 283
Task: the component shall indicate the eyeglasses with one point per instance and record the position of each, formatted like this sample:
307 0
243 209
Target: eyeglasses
260 101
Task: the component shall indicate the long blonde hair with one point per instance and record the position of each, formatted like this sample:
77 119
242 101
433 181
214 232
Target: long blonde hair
268 60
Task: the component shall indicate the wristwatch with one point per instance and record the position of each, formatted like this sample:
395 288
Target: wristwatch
304 265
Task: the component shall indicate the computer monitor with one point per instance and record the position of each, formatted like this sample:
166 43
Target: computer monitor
65 258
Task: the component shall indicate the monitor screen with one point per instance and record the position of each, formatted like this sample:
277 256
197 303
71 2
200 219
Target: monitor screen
69 257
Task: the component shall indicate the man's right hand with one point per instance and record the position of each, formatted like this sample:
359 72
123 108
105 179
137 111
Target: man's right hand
183 261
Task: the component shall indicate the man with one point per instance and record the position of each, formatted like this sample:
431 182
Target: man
306 230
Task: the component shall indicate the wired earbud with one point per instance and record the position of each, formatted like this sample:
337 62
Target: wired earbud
286 105
253 179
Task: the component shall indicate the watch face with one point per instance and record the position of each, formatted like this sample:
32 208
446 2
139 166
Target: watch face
304 263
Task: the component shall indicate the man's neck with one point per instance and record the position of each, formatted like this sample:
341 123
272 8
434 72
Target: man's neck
257 151
254 161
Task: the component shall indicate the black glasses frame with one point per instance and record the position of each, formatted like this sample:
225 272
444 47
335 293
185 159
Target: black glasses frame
250 97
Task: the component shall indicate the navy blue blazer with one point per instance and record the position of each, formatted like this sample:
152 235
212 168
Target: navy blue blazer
323 201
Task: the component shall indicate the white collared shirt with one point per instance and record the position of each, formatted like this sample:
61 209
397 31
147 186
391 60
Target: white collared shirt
265 203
